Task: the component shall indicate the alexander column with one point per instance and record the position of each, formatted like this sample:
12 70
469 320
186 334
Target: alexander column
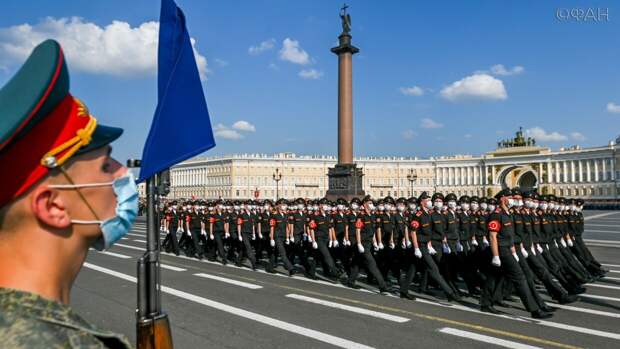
345 179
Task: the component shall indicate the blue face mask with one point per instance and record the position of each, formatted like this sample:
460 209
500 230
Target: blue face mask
114 228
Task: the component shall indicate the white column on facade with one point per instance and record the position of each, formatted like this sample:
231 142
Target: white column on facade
549 173
596 176
580 169
557 172
565 171
572 171
444 176
475 174
493 175
613 169
588 173
540 173
604 169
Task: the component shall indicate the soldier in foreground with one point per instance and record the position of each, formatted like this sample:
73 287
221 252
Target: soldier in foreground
62 194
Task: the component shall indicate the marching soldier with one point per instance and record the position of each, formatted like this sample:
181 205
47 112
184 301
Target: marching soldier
320 228
504 258
278 233
217 231
245 227
299 246
171 226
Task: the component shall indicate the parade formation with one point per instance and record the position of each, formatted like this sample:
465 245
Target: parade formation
496 246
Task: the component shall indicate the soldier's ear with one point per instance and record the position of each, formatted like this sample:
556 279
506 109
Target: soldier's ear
49 207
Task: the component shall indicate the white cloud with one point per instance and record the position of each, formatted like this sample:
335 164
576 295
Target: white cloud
613 107
263 46
577 136
224 132
412 91
221 62
292 52
477 86
430 123
243 125
408 134
540 134
115 49
499 69
312 74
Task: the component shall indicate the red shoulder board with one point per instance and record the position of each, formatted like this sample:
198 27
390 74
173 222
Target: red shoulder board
211 219
312 224
359 224
494 226
239 221
415 224
418 214
272 222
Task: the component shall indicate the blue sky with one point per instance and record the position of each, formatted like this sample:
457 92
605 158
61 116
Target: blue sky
427 81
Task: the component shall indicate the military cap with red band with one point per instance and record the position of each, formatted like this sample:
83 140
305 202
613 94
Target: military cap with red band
41 124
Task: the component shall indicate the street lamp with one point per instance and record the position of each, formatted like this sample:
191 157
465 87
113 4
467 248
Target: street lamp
411 177
277 176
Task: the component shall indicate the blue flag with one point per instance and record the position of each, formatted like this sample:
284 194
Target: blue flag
181 126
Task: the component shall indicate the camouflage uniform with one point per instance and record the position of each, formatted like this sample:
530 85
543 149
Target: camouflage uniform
31 321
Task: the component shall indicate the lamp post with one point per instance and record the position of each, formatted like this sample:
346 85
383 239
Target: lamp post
277 176
411 177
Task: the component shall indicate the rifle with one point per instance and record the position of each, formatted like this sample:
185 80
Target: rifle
152 324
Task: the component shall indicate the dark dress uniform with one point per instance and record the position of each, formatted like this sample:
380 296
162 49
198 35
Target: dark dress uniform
300 248
278 223
264 242
403 256
386 258
422 224
340 221
502 223
465 263
366 224
171 244
245 222
321 223
195 226
217 223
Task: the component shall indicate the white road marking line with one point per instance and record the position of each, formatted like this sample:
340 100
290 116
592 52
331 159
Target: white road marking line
356 310
604 286
609 278
229 281
602 225
599 215
602 231
603 241
124 238
599 297
486 339
586 310
614 271
115 254
611 265
170 267
142 241
433 303
132 234
289 327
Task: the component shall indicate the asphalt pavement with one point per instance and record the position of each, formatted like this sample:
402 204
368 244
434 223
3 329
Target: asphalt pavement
216 306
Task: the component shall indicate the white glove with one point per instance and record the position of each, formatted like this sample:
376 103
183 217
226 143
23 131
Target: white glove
418 253
240 237
253 236
533 250
403 244
375 246
556 244
347 243
459 247
408 243
524 252
381 247
286 241
446 249
547 247
431 251
496 261
474 242
563 243
260 236
360 248
570 242
392 246
485 242
203 232
309 238
188 233
516 257
539 249
211 237
330 244
179 230
272 243
336 244
226 236
315 245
